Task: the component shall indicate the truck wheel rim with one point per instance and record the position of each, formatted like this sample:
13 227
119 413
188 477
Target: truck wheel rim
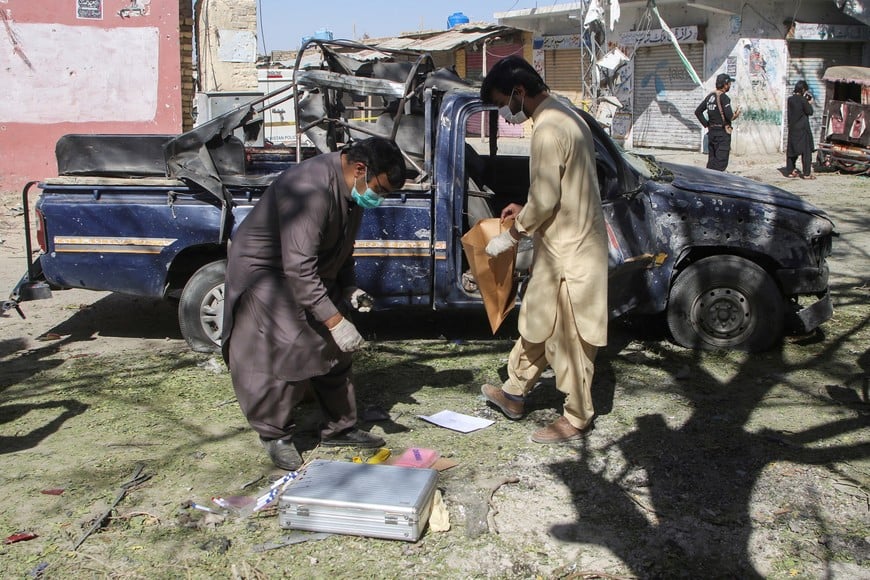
722 313
211 313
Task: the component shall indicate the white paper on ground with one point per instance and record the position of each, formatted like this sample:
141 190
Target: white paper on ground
457 421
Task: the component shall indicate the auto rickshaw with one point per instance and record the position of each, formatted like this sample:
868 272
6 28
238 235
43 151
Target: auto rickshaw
844 143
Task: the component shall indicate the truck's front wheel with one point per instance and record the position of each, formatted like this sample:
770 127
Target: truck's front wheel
201 309
725 302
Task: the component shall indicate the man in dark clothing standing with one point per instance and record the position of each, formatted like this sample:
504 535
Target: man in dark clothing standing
288 284
800 136
717 106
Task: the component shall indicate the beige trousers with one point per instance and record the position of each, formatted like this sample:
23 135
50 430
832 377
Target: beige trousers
571 358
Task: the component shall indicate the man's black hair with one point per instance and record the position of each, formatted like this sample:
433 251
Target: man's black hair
507 74
380 156
801 87
722 80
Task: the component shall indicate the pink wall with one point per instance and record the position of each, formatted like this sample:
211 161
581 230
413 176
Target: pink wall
64 74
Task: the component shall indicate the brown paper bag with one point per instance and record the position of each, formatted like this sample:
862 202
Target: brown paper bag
494 276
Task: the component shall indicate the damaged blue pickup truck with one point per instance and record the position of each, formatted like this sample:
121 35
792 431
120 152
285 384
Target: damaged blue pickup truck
731 263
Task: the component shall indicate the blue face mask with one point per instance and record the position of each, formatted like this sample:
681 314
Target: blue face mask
368 200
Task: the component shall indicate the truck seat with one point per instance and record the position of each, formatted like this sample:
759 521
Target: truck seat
111 155
135 155
477 208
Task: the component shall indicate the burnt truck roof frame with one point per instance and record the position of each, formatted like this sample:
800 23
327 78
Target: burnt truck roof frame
341 75
190 156
344 67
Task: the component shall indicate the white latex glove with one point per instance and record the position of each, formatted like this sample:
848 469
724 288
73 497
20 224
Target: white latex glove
359 299
501 243
346 336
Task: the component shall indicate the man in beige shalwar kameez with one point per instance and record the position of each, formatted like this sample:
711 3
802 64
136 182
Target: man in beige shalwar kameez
563 316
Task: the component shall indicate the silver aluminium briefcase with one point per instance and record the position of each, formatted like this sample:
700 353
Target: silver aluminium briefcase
361 499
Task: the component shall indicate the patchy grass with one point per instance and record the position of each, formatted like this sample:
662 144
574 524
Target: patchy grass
700 463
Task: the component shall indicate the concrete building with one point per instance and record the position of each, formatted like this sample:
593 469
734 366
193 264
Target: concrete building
766 46
88 66
126 66
226 45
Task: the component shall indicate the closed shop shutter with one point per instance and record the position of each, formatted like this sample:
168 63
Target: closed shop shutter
474 73
665 97
808 61
494 53
562 68
473 65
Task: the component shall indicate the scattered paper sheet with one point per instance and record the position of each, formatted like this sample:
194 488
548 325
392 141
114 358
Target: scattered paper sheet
457 421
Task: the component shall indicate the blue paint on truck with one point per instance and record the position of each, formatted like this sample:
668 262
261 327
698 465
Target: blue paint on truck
731 262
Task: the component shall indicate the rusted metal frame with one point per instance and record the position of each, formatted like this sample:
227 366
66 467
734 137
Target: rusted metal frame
409 88
365 130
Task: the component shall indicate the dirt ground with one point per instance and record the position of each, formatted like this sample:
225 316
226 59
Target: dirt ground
717 465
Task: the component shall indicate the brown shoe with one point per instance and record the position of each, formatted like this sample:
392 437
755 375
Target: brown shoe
283 453
560 431
495 395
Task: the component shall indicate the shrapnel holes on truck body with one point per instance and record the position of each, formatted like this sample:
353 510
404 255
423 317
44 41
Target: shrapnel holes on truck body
201 308
725 302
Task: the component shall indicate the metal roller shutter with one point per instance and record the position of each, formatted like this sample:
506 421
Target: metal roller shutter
808 61
494 53
563 70
665 97
474 73
473 66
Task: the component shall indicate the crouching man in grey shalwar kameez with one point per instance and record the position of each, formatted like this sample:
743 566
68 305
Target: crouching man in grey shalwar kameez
288 284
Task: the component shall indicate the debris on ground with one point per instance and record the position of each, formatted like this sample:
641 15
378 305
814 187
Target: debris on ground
19 537
136 479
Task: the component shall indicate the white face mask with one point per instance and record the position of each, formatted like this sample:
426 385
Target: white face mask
510 116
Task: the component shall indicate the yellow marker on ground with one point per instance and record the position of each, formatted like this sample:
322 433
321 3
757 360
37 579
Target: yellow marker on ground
382 455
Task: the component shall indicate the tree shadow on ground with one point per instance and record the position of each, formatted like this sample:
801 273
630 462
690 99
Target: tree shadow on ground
29 440
681 506
30 362
378 391
122 316
388 383
115 315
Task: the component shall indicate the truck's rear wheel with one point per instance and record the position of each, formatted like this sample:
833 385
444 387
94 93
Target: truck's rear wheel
725 302
201 309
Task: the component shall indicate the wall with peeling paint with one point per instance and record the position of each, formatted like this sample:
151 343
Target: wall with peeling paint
83 66
750 45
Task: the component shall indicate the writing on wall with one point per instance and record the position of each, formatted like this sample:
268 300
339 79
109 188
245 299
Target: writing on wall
89 9
658 36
